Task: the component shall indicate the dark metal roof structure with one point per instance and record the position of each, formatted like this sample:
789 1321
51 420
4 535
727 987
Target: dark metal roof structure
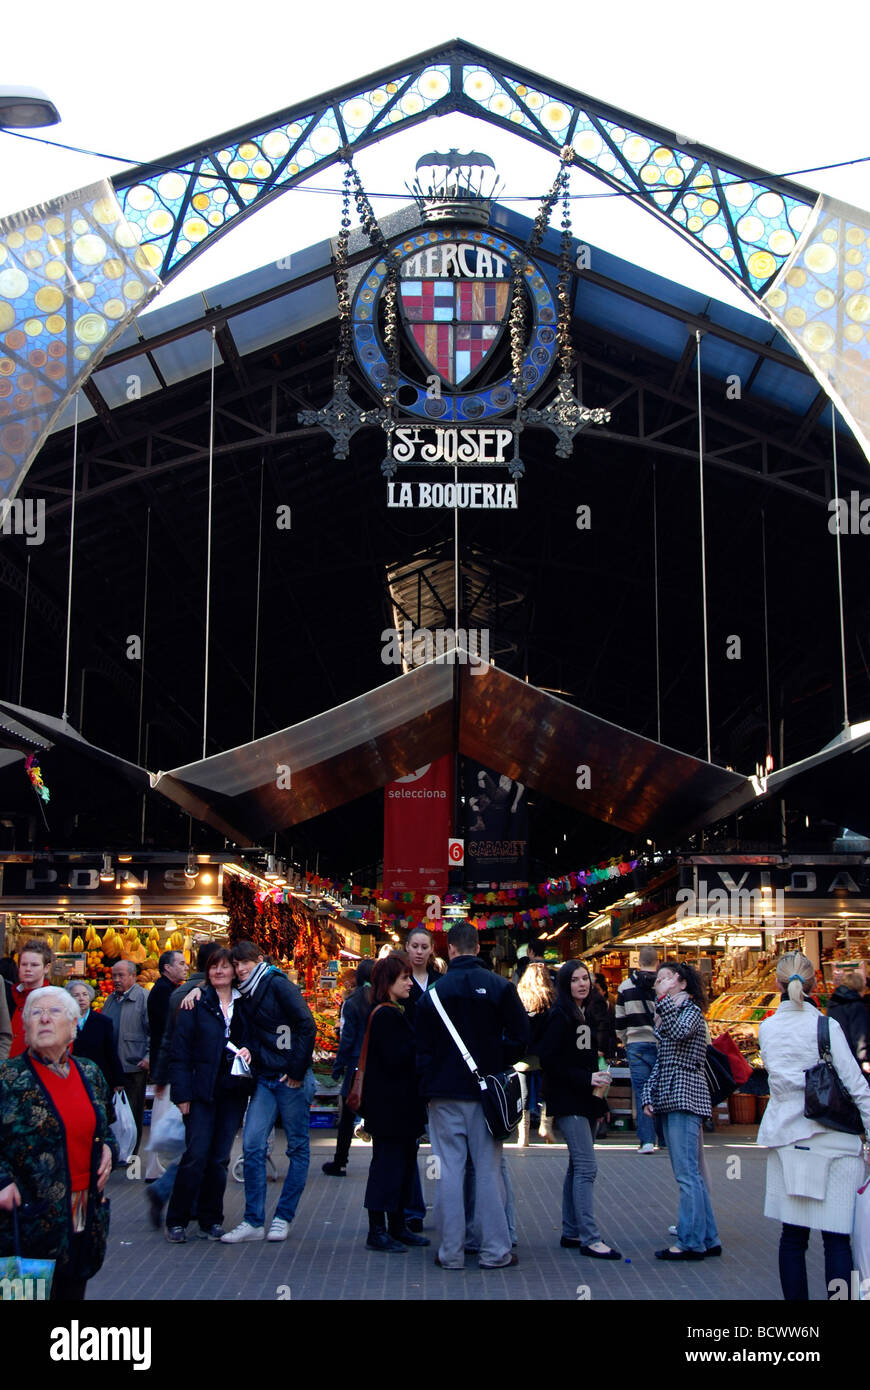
591 624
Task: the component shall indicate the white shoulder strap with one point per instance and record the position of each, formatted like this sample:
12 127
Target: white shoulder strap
466 1055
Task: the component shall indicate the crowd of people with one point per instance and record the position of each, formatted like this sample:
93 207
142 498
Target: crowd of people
232 1047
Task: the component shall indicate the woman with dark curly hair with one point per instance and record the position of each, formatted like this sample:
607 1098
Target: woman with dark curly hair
393 1112
677 1090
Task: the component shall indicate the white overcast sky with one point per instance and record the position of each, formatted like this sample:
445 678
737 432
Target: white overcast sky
782 87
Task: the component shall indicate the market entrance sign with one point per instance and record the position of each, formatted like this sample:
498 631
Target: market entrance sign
465 496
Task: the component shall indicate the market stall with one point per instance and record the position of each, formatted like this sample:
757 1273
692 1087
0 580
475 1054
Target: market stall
95 909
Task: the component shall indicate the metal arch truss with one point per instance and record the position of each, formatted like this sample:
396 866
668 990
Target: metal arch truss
744 220
654 416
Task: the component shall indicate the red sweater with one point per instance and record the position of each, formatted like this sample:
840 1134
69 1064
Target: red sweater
20 994
73 1104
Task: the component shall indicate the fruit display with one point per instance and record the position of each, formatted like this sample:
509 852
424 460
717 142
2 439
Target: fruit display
327 1030
142 945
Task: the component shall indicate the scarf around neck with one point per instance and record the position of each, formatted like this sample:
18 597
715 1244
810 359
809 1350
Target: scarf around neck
248 986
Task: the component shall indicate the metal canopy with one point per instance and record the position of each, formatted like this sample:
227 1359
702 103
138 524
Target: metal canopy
634 783
300 772
29 729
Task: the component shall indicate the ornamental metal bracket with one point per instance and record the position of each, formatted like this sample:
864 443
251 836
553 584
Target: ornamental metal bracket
566 416
341 416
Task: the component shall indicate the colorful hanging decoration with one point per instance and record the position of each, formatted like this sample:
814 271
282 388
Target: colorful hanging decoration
34 772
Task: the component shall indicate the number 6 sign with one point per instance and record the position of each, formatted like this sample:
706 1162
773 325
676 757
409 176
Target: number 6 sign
456 852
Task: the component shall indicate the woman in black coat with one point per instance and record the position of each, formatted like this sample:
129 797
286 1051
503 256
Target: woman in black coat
573 1090
95 1037
205 1044
418 946
848 1008
394 1114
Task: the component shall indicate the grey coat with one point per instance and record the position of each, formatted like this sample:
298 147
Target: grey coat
128 1014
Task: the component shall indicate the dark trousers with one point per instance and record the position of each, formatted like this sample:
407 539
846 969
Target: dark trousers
211 1127
346 1122
134 1089
417 1206
390 1187
793 1263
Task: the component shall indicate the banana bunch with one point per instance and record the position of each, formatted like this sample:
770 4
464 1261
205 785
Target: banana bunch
63 944
111 943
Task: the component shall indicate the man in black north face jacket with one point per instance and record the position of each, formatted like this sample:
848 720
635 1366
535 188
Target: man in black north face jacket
486 1012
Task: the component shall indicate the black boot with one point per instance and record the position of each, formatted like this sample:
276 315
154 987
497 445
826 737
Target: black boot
399 1231
335 1169
378 1239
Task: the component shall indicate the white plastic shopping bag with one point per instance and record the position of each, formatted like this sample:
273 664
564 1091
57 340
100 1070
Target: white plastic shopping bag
167 1132
861 1234
124 1128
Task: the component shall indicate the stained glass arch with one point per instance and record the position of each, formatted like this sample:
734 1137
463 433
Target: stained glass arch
75 273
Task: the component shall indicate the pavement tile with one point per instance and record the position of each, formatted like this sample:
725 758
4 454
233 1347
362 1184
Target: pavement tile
325 1256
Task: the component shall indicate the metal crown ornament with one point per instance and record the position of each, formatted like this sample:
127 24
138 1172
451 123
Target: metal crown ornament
458 186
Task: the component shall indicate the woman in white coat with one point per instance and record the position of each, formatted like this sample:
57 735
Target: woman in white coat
813 1173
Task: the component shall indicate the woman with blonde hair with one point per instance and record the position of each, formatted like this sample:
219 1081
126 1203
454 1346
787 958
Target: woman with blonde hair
813 1172
537 996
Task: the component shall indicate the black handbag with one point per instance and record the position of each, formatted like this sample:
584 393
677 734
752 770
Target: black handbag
825 1097
720 1077
501 1096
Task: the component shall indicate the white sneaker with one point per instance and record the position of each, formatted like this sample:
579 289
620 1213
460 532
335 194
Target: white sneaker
279 1229
672 1230
647 1149
244 1231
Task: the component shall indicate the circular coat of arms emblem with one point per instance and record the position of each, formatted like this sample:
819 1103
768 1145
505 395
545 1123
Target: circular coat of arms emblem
454 301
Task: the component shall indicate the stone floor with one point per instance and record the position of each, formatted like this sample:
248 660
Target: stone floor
325 1257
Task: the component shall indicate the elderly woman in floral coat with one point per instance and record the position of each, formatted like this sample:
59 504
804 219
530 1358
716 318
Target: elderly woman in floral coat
56 1148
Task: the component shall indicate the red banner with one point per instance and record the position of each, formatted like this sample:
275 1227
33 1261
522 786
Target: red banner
418 814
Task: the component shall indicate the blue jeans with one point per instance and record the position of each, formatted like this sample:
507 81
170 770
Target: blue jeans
641 1060
578 1222
696 1224
162 1186
271 1098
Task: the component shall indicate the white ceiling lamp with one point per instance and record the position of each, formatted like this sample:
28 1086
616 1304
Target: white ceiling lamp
26 107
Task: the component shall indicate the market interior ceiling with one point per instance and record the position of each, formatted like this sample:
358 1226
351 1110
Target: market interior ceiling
572 610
